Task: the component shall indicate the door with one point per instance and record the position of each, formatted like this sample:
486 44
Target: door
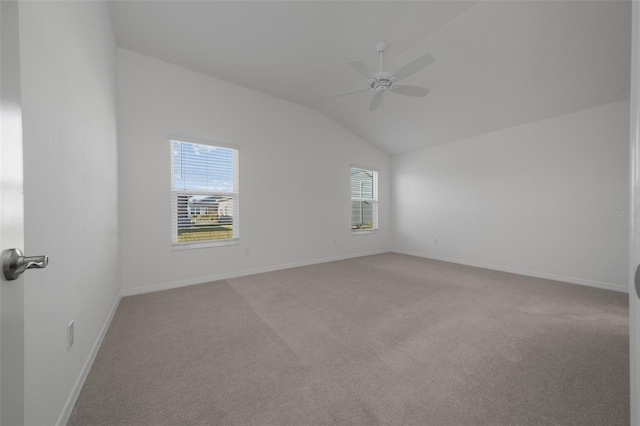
11 219
634 290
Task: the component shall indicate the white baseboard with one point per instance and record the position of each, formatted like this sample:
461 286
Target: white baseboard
77 387
202 280
571 280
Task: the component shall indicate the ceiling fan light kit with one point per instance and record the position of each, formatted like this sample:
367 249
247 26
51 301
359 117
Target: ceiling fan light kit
386 81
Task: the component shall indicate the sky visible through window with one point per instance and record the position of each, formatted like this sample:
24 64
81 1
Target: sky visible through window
202 167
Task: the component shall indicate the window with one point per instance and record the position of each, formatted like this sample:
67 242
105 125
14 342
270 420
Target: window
364 199
204 194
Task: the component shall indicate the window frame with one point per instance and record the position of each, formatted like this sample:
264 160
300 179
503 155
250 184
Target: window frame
374 200
235 240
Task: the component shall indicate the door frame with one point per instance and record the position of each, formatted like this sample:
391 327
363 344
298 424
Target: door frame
11 217
634 225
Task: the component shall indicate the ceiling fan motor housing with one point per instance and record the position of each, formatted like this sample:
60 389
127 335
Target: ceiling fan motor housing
379 85
382 81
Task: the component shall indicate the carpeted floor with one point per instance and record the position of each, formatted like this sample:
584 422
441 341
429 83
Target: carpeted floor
387 339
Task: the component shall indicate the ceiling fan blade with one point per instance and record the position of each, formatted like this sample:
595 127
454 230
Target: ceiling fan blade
349 93
414 66
361 69
376 101
415 91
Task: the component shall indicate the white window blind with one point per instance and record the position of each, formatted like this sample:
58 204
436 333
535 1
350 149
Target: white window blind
364 199
204 193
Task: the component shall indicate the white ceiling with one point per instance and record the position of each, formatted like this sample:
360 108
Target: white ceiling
498 64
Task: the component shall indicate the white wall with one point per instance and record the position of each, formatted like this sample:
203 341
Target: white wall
294 177
531 199
71 203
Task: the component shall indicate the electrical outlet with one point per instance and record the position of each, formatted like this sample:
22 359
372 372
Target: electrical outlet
70 335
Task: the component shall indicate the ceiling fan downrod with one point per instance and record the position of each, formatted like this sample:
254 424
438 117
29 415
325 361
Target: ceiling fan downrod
381 47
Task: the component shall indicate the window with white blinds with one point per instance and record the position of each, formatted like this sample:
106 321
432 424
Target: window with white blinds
364 199
204 194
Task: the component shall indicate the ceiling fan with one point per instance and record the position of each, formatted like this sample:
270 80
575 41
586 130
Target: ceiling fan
386 81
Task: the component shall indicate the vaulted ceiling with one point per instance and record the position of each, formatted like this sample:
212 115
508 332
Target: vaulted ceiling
497 64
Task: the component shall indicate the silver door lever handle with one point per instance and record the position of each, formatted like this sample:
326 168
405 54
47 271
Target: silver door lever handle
14 263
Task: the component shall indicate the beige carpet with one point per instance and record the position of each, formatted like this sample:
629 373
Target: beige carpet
387 339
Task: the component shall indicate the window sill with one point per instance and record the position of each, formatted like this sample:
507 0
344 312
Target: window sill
205 244
363 231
